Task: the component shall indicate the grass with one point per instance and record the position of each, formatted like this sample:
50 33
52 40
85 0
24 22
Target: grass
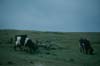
66 54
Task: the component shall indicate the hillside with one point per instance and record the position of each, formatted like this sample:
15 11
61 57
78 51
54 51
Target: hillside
67 55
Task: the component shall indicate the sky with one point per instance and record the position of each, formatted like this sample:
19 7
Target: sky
51 15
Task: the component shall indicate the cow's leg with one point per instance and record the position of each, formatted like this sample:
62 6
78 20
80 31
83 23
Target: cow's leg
81 49
91 51
18 47
28 48
84 48
87 50
32 49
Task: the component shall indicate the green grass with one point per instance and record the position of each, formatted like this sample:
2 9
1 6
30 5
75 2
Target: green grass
67 55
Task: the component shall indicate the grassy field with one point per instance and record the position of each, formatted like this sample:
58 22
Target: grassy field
67 55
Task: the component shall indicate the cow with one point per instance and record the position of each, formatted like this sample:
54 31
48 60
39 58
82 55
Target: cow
23 43
19 41
85 46
88 47
32 46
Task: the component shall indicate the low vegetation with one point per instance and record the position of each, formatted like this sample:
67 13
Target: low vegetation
65 52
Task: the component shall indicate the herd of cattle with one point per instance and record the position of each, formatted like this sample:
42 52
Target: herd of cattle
23 42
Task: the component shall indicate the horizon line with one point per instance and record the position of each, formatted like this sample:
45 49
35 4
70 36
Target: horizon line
46 31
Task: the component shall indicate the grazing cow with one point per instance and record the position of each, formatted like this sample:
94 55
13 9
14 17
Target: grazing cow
88 48
19 39
85 46
32 46
23 42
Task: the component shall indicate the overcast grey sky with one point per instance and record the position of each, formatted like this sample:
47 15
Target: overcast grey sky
51 15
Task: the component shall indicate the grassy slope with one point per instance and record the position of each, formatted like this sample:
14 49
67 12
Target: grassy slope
69 55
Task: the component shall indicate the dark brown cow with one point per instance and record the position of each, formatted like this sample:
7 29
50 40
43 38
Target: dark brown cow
85 46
